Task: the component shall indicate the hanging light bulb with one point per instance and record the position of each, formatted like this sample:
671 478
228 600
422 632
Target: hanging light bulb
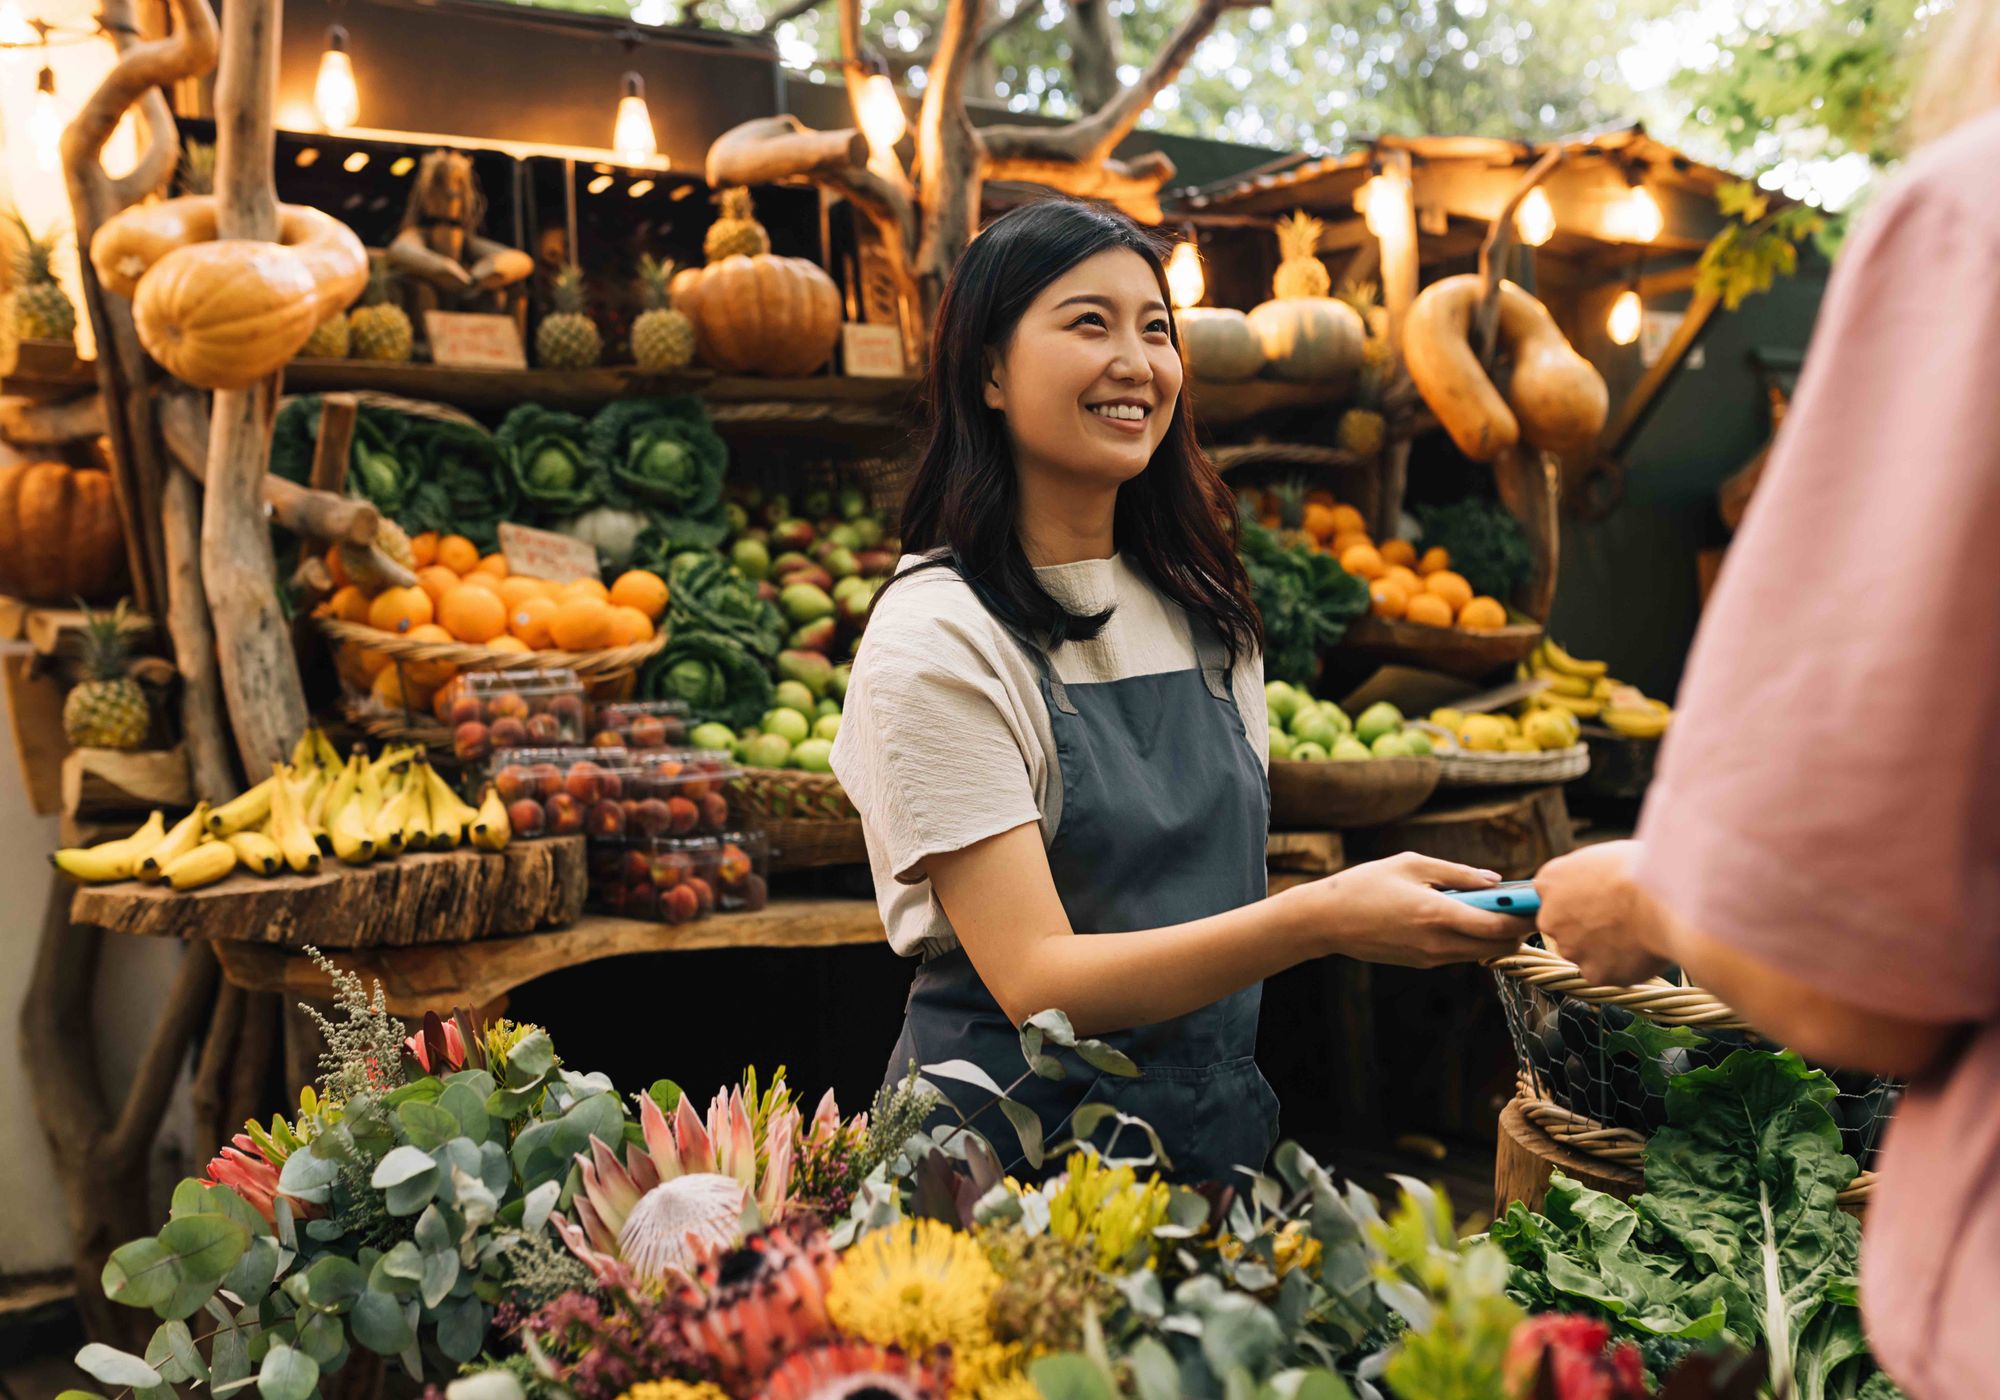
882 119
45 124
632 133
1627 313
1637 218
1184 280
335 97
1534 219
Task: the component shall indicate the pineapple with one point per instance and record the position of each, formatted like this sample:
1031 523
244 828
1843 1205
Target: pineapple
1362 429
1366 299
42 310
379 329
1301 273
567 338
662 338
107 710
329 340
737 231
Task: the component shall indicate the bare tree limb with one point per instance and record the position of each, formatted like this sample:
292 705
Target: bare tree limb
142 69
903 60
950 157
768 149
155 169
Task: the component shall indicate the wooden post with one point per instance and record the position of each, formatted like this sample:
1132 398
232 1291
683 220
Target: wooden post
1398 238
260 678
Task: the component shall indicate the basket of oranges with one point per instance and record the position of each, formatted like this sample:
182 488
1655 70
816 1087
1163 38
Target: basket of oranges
398 648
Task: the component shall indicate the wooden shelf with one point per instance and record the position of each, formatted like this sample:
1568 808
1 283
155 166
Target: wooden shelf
1221 405
439 975
54 631
47 371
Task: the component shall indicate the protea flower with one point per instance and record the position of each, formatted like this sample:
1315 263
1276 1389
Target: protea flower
661 1210
244 1169
849 1370
454 1043
747 1309
1571 1350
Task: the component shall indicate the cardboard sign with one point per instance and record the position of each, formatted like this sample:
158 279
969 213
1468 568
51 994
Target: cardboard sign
543 554
474 340
871 352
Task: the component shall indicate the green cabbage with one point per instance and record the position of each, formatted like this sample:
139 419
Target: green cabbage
547 462
464 486
706 593
662 455
718 678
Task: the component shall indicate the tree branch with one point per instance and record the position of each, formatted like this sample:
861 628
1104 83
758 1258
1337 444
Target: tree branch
155 169
765 150
143 68
902 62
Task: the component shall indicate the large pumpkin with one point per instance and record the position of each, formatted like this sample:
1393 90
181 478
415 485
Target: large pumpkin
1218 344
60 537
761 315
1310 339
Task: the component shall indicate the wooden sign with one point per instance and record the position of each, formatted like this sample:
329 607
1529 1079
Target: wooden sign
474 341
544 554
871 352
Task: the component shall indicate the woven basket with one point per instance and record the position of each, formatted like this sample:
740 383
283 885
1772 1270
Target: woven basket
807 817
1463 767
1326 796
808 845
589 665
1593 1082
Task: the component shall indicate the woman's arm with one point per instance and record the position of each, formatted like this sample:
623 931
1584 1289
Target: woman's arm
1002 903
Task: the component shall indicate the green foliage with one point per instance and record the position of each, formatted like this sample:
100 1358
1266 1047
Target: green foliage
1485 543
1305 598
1739 1234
547 462
706 593
718 677
661 454
1757 248
1454 1298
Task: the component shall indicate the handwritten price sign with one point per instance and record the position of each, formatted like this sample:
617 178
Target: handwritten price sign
542 554
474 341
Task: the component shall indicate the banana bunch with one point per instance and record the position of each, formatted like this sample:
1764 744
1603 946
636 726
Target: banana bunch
1587 690
317 804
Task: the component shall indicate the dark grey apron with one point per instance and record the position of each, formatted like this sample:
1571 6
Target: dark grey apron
1164 813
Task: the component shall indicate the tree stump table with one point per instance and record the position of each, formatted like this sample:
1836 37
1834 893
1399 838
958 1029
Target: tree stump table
1526 1158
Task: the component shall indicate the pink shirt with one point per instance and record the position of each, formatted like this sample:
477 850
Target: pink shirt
1829 795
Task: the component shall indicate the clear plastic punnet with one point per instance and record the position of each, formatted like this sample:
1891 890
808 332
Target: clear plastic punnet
690 787
494 710
668 879
641 725
562 790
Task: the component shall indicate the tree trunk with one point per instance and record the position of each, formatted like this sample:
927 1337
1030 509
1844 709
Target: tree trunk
1093 52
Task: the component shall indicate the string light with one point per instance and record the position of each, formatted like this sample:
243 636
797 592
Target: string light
1627 316
882 120
599 184
356 162
640 189
335 96
632 131
1534 219
1184 277
1637 218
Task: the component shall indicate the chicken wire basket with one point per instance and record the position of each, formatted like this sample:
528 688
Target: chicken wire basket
1592 1063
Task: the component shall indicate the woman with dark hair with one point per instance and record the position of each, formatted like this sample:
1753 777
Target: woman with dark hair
1055 729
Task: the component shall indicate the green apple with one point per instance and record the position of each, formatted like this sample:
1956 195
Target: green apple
1314 728
826 727
1282 701
1348 749
1378 719
768 751
796 695
1337 715
814 755
1391 745
788 724
1308 752
712 736
1281 743
1418 743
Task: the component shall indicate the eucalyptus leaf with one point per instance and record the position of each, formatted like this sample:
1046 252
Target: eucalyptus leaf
409 1197
323 1339
306 1176
1154 1374
142 1274
428 1125
78 1395
404 1164
115 1367
967 1071
1054 1025
207 1246
440 1273
403 1261
228 1358
467 1106
1027 1127
254 1273
197 1197
287 1374
461 1328
333 1282
532 1057
1071 1376
1107 1059
539 1202
384 1323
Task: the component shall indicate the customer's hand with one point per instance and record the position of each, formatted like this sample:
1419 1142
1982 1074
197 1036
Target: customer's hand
1390 911
1595 914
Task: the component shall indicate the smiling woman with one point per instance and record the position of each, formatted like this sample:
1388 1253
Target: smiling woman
1056 727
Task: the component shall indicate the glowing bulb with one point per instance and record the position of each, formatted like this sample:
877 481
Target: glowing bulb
1184 279
1637 217
1534 220
882 119
632 132
1622 325
356 162
45 124
640 189
335 97
13 28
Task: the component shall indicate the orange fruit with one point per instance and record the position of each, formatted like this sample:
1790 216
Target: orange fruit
473 614
1429 610
1435 558
358 665
429 674
507 642
488 582
393 690
629 626
587 586
336 570
1482 614
581 623
1348 521
458 554
348 603
1399 552
1362 561
1347 540
1405 576
1319 521
1387 598
400 609
496 565
424 549
641 589
1451 587
529 620
515 588
436 580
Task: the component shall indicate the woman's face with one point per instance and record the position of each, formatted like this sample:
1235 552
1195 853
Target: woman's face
1089 381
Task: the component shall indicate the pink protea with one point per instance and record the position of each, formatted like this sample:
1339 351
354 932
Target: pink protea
454 1047
827 1125
244 1169
848 1370
684 1193
1571 1350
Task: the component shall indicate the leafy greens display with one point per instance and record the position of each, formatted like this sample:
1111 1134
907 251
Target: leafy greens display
1306 599
662 455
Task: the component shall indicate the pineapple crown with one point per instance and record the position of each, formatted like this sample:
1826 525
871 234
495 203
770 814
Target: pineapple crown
566 292
735 202
1361 293
654 274
33 260
198 168
1290 495
1298 235
106 648
380 281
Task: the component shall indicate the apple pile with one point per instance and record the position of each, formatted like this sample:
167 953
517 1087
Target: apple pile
822 567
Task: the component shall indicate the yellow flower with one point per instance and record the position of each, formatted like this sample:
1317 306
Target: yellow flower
1015 1386
991 1372
915 1285
1109 1206
1292 1247
674 1390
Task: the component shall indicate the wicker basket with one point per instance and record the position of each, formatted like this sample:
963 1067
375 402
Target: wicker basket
1326 796
807 817
1463 768
1591 1062
589 666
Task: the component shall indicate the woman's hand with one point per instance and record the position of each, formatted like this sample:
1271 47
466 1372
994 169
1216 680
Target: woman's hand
1596 916
1390 911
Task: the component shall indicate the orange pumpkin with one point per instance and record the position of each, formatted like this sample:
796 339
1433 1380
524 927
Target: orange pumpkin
762 314
60 536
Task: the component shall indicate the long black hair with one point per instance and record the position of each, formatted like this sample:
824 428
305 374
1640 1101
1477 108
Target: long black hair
1175 520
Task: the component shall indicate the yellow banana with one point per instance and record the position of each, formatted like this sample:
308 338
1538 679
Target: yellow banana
241 813
256 852
369 793
416 817
1586 709
444 801
111 860
303 752
1563 684
177 842
387 829
328 756
343 789
288 828
1556 659
1646 723
351 841
203 865
490 827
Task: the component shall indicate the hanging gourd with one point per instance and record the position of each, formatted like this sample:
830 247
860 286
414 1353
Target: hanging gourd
226 313
1305 333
